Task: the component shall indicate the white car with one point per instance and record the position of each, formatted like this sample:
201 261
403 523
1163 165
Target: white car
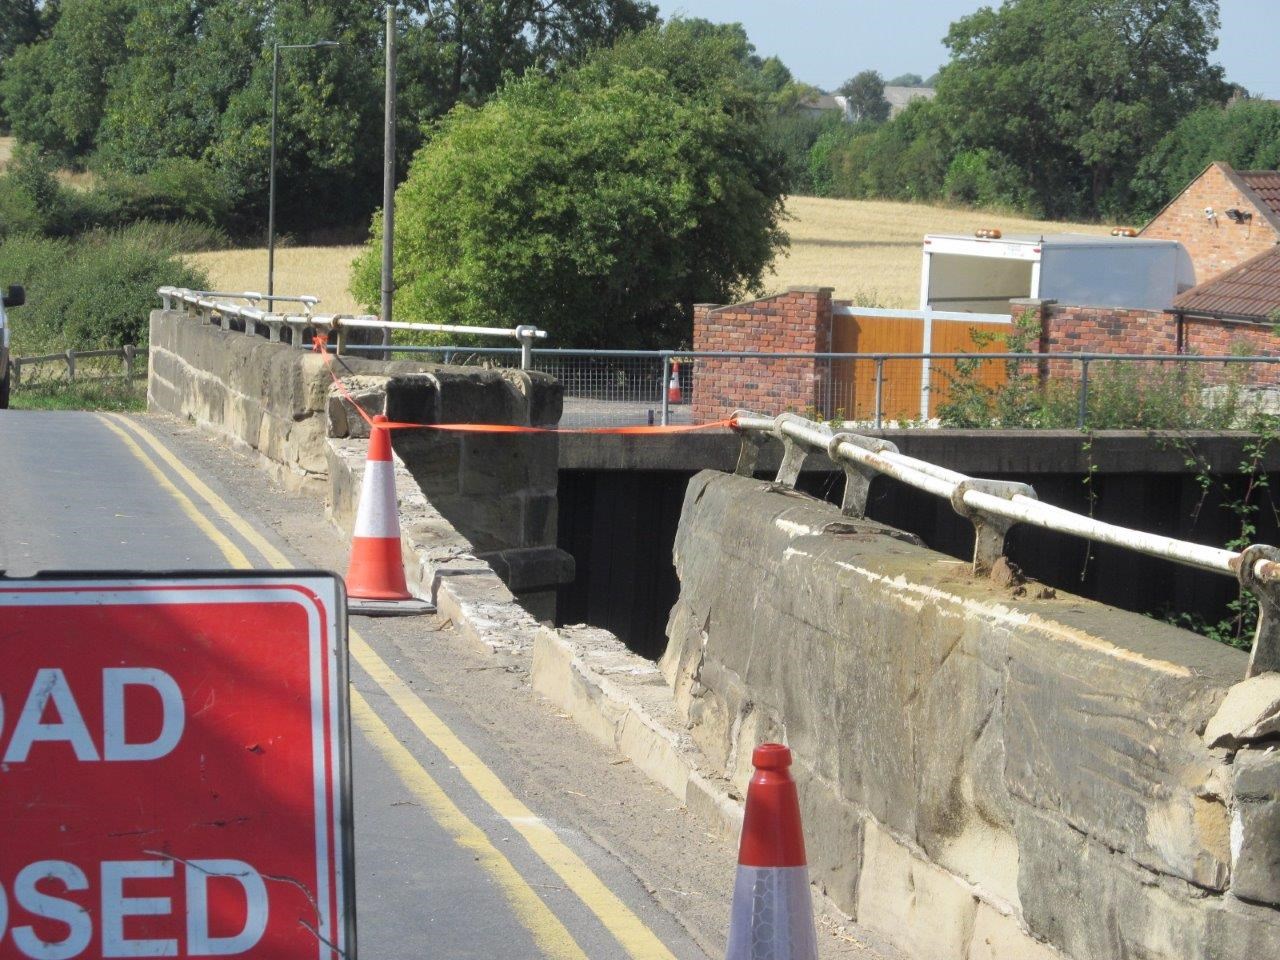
16 297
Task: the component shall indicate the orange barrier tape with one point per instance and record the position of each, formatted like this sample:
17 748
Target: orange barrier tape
320 344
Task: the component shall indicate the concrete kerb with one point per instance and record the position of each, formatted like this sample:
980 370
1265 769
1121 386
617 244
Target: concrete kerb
439 562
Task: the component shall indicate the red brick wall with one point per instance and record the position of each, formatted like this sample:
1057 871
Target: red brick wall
798 321
1218 245
1110 330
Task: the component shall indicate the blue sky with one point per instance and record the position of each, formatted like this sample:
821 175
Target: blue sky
825 42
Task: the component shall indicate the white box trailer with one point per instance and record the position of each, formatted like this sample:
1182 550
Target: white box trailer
981 275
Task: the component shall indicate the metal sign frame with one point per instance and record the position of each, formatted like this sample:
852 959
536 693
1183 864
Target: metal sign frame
324 592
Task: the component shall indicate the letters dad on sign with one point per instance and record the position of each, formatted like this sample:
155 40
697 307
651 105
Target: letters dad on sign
174 768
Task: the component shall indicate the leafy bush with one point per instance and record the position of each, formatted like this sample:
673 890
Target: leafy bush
31 199
793 135
94 292
176 188
985 178
600 206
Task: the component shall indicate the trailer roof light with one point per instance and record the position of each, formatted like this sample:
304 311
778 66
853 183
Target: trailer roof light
988 233
1124 232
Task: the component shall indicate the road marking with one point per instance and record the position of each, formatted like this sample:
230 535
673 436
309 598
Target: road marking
235 556
228 513
549 933
628 929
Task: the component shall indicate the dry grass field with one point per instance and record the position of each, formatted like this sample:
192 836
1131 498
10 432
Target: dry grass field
321 271
869 250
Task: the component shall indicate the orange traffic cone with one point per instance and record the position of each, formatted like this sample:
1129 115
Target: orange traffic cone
673 388
375 577
772 916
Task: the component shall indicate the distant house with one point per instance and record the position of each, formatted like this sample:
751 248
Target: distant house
899 97
827 104
1223 218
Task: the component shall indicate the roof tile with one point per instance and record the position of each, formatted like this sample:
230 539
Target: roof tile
1250 290
1266 184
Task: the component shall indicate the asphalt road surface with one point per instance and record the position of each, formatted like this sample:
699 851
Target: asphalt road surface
466 844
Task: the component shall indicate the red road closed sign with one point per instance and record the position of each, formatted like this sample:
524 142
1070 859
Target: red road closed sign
174 768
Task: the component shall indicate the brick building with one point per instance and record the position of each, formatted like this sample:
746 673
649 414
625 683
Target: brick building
1223 218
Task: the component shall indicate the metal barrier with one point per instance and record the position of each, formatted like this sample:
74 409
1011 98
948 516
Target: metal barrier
69 366
301 327
616 387
993 507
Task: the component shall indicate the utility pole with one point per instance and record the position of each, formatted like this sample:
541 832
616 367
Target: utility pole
389 177
271 196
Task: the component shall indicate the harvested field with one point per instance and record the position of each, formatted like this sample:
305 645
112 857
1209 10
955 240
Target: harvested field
321 271
869 250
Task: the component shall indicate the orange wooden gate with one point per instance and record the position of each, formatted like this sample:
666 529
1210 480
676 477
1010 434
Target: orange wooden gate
852 383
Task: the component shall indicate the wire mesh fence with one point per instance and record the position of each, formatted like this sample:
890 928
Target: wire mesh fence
1035 391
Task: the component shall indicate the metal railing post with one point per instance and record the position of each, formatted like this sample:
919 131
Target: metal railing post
1082 419
525 335
663 394
879 392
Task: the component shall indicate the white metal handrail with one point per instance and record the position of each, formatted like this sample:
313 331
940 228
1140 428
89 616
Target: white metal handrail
994 506
208 304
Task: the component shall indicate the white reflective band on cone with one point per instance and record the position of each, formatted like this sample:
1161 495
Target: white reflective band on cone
772 915
377 515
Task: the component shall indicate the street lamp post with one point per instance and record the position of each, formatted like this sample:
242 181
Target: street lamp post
271 191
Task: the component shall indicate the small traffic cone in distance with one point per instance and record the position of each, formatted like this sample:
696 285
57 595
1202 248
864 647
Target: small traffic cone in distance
772 916
375 576
673 388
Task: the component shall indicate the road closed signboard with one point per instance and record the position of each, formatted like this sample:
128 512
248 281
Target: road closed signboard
174 768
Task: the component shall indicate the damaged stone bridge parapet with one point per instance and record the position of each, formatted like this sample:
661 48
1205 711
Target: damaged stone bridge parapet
982 774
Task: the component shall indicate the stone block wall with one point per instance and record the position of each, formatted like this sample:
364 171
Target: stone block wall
1215 245
798 321
982 774
497 490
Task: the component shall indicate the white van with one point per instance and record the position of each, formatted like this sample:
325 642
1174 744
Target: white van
16 297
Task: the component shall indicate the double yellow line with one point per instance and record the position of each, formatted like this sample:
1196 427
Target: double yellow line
549 933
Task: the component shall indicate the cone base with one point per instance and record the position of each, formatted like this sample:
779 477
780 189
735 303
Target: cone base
389 608
376 571
772 916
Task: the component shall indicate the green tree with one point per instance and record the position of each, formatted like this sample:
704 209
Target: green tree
55 91
600 205
1245 135
1075 92
906 80
865 93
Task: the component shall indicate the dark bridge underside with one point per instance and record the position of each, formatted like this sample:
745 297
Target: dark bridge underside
620 498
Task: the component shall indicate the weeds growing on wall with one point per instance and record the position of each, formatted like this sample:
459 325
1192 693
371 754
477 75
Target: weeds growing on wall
1174 397
1041 394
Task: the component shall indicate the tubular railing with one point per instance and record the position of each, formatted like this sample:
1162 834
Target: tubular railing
993 507
211 305
871 388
